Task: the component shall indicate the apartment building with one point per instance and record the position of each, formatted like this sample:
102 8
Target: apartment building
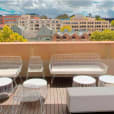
1 19
78 23
81 23
35 23
9 19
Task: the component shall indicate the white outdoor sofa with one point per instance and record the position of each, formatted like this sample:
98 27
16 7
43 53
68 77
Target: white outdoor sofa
90 99
77 64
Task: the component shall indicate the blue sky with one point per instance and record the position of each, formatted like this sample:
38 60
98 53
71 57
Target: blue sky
52 8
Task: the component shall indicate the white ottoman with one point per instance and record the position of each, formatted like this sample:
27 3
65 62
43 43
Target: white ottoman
6 85
84 81
34 89
105 80
90 99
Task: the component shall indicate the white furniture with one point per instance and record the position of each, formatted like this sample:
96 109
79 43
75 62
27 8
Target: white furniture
77 64
84 81
90 99
36 85
106 80
35 65
6 85
10 66
6 88
35 90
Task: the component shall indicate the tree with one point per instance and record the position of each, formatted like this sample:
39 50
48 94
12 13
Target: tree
7 35
72 15
106 35
43 17
90 15
97 17
66 28
63 16
112 23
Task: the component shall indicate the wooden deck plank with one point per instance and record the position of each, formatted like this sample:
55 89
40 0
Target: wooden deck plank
47 102
56 106
52 102
60 101
64 100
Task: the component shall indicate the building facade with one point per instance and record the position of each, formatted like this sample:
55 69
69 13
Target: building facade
78 23
9 20
81 23
70 37
34 24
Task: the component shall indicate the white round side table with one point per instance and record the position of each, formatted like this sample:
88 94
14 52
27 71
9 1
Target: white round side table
6 85
105 80
84 81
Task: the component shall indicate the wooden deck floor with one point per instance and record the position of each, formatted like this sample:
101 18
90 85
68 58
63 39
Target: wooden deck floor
54 104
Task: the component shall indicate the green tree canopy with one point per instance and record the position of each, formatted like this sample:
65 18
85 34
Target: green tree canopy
97 17
7 35
43 17
63 16
106 35
66 28
112 23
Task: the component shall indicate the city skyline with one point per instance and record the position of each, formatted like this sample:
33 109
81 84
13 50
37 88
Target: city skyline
53 8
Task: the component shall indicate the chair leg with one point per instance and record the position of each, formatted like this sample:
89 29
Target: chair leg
43 74
27 75
15 82
20 79
1 109
42 106
52 80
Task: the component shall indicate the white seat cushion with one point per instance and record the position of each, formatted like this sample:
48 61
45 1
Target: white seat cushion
35 83
9 72
109 79
84 80
34 89
5 81
76 69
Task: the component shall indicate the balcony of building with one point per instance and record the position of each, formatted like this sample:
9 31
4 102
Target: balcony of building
56 99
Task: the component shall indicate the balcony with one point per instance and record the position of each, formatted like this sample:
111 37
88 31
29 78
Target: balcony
56 99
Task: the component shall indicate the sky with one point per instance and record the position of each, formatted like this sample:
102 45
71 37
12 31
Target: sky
53 8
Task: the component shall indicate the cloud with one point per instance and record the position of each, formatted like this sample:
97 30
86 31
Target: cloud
53 8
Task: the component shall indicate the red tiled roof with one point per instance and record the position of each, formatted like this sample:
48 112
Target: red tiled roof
36 18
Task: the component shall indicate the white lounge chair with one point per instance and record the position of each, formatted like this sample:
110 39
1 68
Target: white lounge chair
34 89
10 66
35 65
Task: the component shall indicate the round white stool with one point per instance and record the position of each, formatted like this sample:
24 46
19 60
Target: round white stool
106 80
35 90
84 81
32 88
6 85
